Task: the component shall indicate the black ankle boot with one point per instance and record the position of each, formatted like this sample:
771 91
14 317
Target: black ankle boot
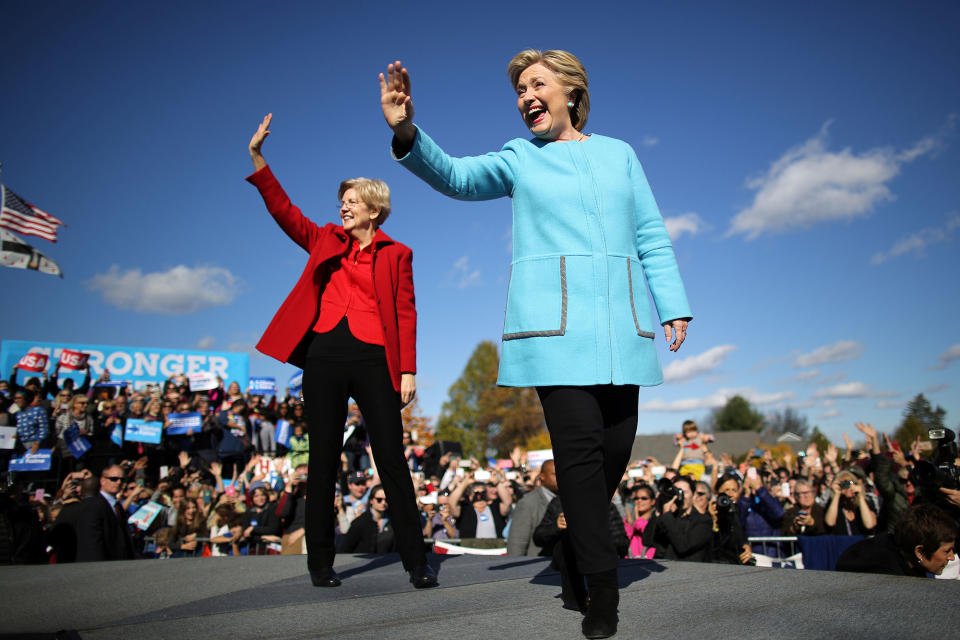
601 618
326 577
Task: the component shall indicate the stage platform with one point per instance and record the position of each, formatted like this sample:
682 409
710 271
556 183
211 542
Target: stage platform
479 597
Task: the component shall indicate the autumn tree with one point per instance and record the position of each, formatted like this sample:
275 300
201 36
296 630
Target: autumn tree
918 417
417 424
737 415
480 415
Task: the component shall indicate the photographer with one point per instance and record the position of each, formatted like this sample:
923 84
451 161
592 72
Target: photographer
682 532
849 513
806 518
923 543
729 542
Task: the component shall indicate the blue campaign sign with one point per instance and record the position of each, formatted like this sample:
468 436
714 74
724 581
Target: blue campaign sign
282 434
39 461
142 431
141 365
263 386
296 384
116 436
145 515
76 443
180 423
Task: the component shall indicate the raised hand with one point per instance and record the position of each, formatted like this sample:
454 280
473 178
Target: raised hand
257 141
395 97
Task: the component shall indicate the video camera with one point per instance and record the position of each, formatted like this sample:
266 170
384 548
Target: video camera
667 491
940 470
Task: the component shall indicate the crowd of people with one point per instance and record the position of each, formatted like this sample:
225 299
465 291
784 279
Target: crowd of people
231 489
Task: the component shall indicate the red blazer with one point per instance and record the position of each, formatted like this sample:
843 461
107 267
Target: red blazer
392 283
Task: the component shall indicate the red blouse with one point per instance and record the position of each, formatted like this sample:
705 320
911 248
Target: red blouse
350 293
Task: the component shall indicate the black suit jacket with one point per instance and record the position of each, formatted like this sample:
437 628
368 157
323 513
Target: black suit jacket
364 536
100 533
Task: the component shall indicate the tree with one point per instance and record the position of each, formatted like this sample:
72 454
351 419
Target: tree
737 415
788 420
918 417
417 424
480 415
821 440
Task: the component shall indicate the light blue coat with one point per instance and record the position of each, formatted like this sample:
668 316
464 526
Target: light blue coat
587 240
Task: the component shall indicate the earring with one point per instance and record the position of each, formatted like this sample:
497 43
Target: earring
570 104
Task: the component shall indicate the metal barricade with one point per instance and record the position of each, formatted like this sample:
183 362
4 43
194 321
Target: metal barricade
778 551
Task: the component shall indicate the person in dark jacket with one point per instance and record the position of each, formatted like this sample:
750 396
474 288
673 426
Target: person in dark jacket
261 523
682 531
923 543
102 532
370 532
551 535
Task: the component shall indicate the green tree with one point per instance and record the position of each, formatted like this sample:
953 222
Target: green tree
821 440
918 417
480 415
737 415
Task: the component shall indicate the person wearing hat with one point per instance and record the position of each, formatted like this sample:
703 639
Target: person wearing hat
849 512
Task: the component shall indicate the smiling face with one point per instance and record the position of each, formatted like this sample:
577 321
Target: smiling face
355 214
542 101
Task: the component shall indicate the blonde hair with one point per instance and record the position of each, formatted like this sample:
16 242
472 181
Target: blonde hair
569 71
373 193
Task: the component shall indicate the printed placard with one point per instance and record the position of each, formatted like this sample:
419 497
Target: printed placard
73 360
296 384
36 362
143 517
203 381
116 436
39 461
283 432
8 437
260 386
139 430
76 443
538 457
181 423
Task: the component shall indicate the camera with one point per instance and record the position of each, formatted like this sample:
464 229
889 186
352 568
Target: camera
846 484
724 503
667 491
940 471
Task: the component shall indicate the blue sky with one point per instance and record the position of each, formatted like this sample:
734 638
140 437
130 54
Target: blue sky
805 157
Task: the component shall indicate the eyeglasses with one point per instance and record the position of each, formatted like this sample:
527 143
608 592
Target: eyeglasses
113 478
643 498
804 493
701 493
379 499
349 204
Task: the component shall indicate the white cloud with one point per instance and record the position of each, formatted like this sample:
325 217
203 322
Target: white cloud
206 342
682 370
462 275
948 356
890 404
844 390
176 291
810 184
805 375
937 387
716 399
919 240
685 223
829 403
649 141
840 375
837 352
832 413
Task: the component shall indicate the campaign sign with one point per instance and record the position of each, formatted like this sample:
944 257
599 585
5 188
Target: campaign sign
263 386
73 360
203 381
119 384
116 436
139 364
538 457
36 362
142 431
76 443
180 423
8 437
39 461
296 384
143 517
282 434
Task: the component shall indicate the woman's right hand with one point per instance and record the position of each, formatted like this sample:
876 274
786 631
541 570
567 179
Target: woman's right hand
257 141
397 104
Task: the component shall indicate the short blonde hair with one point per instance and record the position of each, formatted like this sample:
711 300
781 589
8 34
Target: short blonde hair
373 193
568 69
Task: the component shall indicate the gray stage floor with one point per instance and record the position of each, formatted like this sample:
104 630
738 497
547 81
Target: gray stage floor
480 597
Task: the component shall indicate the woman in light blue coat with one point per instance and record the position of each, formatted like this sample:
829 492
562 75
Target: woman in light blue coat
588 239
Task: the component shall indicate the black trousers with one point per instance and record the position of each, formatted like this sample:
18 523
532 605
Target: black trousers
340 367
592 430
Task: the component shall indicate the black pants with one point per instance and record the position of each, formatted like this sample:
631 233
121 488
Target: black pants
340 367
592 431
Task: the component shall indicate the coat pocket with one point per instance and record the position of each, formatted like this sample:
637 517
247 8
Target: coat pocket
536 299
638 298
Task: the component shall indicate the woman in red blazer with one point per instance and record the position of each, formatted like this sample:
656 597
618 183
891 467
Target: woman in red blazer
351 324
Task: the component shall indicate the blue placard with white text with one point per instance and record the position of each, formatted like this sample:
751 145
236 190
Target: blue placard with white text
142 431
296 384
181 423
260 386
39 461
76 443
282 434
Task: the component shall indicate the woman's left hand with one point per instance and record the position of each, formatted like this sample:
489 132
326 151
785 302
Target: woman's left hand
676 332
408 388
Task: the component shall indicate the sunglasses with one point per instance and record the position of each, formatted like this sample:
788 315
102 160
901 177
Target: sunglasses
701 493
379 499
113 478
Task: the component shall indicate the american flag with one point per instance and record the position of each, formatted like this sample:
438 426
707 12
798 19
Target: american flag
19 215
